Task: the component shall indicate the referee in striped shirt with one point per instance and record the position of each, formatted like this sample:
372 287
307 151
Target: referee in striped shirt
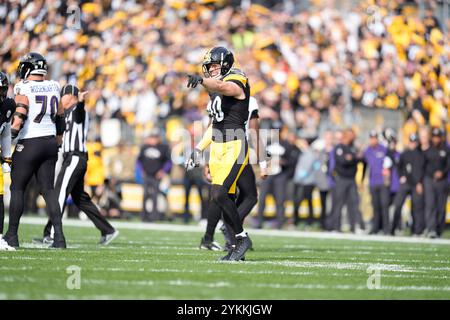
71 177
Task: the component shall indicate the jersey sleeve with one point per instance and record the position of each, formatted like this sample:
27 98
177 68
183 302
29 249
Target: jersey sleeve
22 88
253 108
239 79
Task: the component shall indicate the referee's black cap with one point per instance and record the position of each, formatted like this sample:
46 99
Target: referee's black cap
69 89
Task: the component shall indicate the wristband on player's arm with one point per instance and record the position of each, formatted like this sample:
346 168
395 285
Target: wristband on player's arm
6 160
206 139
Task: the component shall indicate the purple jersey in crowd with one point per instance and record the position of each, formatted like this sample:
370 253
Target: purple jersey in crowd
395 179
374 157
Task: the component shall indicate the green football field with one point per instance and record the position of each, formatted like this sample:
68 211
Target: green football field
163 262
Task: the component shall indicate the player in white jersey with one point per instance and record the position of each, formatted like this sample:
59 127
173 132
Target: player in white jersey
35 123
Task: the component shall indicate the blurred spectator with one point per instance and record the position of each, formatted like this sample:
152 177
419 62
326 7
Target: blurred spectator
323 149
390 171
437 166
374 157
304 179
411 167
154 158
346 159
287 153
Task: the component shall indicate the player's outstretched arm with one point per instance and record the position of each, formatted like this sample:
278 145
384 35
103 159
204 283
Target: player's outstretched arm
226 88
206 139
194 160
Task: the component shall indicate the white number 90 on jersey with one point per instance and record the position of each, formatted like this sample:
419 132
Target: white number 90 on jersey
214 108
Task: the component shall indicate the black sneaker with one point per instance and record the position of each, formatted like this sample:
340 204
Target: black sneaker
12 240
228 246
209 245
242 245
230 252
227 257
59 242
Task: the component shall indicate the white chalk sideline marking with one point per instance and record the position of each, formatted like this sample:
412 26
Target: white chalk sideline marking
276 233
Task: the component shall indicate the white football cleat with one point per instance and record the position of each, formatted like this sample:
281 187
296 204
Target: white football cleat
106 239
4 246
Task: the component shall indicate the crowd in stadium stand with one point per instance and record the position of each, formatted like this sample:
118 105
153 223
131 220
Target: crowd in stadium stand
133 57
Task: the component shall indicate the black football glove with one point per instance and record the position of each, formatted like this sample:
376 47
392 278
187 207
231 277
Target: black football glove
194 80
194 160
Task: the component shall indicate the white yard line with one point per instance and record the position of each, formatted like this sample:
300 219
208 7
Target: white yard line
222 284
218 271
276 233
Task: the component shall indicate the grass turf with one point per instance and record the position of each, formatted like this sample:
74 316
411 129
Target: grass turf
148 264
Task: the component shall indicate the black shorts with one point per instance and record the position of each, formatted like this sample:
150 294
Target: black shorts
36 156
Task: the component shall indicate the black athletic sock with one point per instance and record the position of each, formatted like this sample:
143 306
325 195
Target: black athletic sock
48 229
2 214
214 214
15 211
53 211
230 213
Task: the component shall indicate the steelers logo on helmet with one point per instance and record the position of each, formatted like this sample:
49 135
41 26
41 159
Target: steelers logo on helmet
217 62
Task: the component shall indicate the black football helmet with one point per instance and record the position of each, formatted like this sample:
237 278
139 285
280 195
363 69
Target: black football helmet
32 63
4 85
218 55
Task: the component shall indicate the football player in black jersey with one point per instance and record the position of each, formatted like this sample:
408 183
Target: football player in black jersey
7 108
248 195
230 94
